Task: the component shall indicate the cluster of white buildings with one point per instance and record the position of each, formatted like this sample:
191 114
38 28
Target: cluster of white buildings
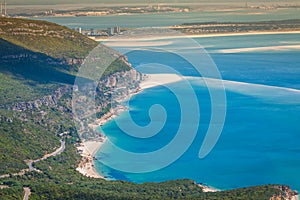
98 33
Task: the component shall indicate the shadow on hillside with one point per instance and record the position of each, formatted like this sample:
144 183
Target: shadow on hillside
30 65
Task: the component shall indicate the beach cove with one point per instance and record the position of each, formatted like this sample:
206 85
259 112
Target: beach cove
88 149
228 166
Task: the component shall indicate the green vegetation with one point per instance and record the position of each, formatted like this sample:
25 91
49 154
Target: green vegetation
44 37
17 89
11 193
32 65
59 180
103 111
37 57
30 135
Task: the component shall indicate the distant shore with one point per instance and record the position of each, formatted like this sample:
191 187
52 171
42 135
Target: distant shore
182 35
245 33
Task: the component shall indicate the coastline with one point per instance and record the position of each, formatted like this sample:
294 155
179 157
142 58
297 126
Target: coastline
86 167
88 149
182 35
154 80
206 188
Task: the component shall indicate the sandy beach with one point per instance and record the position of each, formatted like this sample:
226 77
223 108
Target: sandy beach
207 188
88 149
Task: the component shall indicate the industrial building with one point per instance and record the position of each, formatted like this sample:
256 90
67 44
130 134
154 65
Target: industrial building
3 9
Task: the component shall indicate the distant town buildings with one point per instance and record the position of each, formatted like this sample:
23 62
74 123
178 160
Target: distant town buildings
99 33
49 12
78 29
113 30
117 30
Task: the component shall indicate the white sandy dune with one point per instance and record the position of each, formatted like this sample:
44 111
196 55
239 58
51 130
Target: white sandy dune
153 80
275 93
267 48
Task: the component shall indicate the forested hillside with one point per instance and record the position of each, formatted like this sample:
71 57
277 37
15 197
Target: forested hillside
38 64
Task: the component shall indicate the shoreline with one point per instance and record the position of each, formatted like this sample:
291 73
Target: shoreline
206 188
154 80
88 149
182 35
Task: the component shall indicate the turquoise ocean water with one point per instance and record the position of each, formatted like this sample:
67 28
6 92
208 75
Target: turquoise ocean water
260 142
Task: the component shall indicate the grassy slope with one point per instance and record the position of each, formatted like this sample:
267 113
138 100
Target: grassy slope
30 138
29 78
45 37
36 76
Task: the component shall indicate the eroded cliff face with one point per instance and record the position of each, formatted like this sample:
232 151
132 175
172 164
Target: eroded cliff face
108 97
107 93
121 84
49 101
118 87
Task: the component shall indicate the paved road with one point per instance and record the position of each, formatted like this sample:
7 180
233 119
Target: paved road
55 153
30 162
27 193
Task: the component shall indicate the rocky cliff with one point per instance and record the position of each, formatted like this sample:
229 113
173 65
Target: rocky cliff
124 83
110 92
48 100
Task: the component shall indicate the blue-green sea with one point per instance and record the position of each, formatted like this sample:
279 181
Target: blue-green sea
260 141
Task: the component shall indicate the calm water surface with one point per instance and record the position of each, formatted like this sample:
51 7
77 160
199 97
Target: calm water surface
260 140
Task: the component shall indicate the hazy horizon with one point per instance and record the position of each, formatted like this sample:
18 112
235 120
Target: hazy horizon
51 2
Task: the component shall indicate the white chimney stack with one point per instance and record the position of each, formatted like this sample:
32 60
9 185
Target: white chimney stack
1 9
5 11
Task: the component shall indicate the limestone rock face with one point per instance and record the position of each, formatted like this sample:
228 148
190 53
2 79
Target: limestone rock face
49 100
122 83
